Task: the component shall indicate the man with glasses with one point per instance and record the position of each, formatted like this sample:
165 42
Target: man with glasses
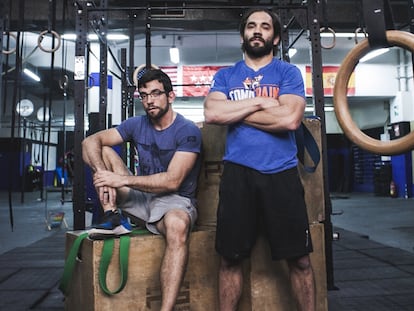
162 193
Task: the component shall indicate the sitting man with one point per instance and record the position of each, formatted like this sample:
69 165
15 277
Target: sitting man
162 193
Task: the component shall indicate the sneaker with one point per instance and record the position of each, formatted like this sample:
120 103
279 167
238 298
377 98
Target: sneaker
113 224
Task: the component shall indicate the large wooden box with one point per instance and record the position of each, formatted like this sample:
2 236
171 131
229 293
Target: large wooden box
214 137
266 285
270 287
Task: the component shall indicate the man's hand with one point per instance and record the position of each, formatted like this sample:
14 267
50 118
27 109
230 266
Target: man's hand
107 182
104 178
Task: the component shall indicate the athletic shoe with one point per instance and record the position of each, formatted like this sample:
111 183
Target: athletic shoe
113 224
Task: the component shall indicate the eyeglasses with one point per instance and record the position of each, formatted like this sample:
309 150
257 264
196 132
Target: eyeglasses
154 94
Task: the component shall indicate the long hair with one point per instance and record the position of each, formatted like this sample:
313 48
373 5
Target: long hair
277 25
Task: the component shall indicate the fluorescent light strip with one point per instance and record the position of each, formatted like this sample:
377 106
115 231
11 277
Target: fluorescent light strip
312 109
31 74
94 37
373 54
342 34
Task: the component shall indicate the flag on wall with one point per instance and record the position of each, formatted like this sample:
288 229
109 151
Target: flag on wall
172 72
197 79
328 75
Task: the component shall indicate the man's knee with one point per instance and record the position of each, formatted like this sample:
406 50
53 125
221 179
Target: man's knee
177 224
300 263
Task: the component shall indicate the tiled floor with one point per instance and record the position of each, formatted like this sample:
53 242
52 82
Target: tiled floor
373 259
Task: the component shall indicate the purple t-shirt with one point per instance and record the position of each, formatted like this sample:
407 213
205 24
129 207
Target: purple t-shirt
155 149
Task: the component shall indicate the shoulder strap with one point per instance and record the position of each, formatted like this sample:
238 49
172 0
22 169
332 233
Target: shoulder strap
106 257
70 263
305 141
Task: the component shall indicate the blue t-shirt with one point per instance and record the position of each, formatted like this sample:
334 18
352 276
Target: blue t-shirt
155 149
246 145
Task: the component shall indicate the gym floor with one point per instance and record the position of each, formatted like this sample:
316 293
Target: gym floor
373 259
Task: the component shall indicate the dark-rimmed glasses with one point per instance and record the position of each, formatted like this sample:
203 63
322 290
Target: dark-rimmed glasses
154 94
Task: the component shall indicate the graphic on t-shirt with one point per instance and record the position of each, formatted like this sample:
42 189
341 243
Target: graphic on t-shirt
252 87
252 83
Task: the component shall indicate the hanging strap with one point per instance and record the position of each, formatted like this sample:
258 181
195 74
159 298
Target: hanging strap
70 263
378 18
305 141
107 250
106 256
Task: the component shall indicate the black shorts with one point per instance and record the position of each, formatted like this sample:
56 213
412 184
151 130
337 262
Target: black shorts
273 204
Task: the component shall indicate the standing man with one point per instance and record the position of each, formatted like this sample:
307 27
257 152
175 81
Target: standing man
262 101
162 194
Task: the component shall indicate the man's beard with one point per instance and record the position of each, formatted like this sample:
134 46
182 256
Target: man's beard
257 51
160 113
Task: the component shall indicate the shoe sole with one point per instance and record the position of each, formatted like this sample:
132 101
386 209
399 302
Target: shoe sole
101 234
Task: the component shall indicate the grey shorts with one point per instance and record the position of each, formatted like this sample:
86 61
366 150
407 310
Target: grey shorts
152 207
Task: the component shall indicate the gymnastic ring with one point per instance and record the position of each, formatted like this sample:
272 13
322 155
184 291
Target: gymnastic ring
332 45
398 38
138 69
7 52
63 84
358 30
40 39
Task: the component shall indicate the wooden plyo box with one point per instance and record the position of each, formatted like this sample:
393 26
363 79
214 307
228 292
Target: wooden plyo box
214 137
313 182
269 281
142 291
266 283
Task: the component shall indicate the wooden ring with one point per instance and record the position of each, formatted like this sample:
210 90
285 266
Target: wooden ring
15 39
398 38
40 39
138 69
332 45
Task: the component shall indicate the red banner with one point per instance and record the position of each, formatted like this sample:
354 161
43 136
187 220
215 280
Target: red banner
328 76
197 79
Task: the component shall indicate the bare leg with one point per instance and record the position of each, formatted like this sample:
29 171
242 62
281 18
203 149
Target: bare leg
113 163
175 227
303 283
230 284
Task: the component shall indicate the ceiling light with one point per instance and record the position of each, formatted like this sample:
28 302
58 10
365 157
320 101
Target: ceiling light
69 36
175 52
31 74
343 34
292 52
117 36
174 55
373 54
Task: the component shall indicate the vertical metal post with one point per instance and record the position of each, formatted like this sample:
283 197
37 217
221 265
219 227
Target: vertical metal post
124 101
79 112
314 12
148 38
103 67
2 18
